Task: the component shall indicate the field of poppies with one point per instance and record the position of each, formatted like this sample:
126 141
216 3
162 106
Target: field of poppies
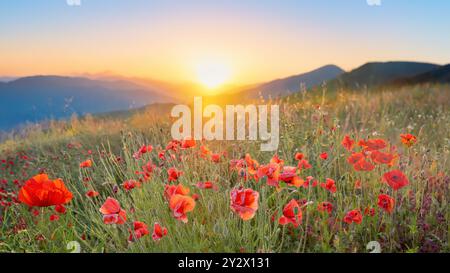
364 171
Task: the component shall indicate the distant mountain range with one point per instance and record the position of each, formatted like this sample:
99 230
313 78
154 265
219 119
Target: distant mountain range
33 99
292 84
377 74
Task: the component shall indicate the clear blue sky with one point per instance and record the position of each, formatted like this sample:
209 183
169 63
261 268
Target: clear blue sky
258 39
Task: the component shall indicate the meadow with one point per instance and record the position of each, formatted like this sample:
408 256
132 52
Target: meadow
354 170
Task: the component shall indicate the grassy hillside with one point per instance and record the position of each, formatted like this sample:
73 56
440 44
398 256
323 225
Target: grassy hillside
312 123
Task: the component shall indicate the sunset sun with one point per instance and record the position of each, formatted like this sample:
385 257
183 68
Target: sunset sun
212 74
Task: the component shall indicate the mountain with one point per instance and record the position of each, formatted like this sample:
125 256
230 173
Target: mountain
33 99
438 75
292 84
379 73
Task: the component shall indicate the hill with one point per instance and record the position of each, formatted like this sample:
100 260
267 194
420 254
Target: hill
33 99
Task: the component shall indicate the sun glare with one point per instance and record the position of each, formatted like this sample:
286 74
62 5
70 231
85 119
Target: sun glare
212 74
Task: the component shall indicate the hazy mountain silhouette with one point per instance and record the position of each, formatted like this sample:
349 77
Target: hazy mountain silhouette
32 99
378 73
292 84
438 75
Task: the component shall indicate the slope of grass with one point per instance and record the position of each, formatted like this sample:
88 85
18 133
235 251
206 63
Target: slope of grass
312 123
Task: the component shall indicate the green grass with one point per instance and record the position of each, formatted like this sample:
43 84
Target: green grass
312 123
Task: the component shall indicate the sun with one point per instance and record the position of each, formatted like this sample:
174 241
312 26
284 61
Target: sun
212 74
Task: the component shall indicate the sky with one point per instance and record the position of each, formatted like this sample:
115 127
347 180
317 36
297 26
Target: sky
253 40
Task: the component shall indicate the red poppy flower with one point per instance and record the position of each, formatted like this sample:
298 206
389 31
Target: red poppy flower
386 202
275 159
204 151
144 149
158 232
180 205
54 217
382 158
354 158
139 230
130 184
187 143
353 216
92 193
357 185
86 164
60 209
244 202
215 158
170 190
206 185
292 213
271 171
289 176
173 145
252 164
325 206
363 165
408 139
174 174
303 164
348 143
329 185
39 191
112 212
373 144
323 156
396 179
298 156
369 211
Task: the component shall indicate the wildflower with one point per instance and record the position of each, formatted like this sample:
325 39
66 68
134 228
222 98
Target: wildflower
39 191
324 156
275 159
180 205
271 171
158 232
353 216
408 140
325 206
291 214
92 193
187 143
395 179
143 150
357 185
130 184
174 174
206 185
54 217
382 158
372 144
303 164
112 212
329 185
386 202
86 164
60 209
170 190
363 165
139 230
215 158
244 202
290 177
204 151
298 156
369 211
347 142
